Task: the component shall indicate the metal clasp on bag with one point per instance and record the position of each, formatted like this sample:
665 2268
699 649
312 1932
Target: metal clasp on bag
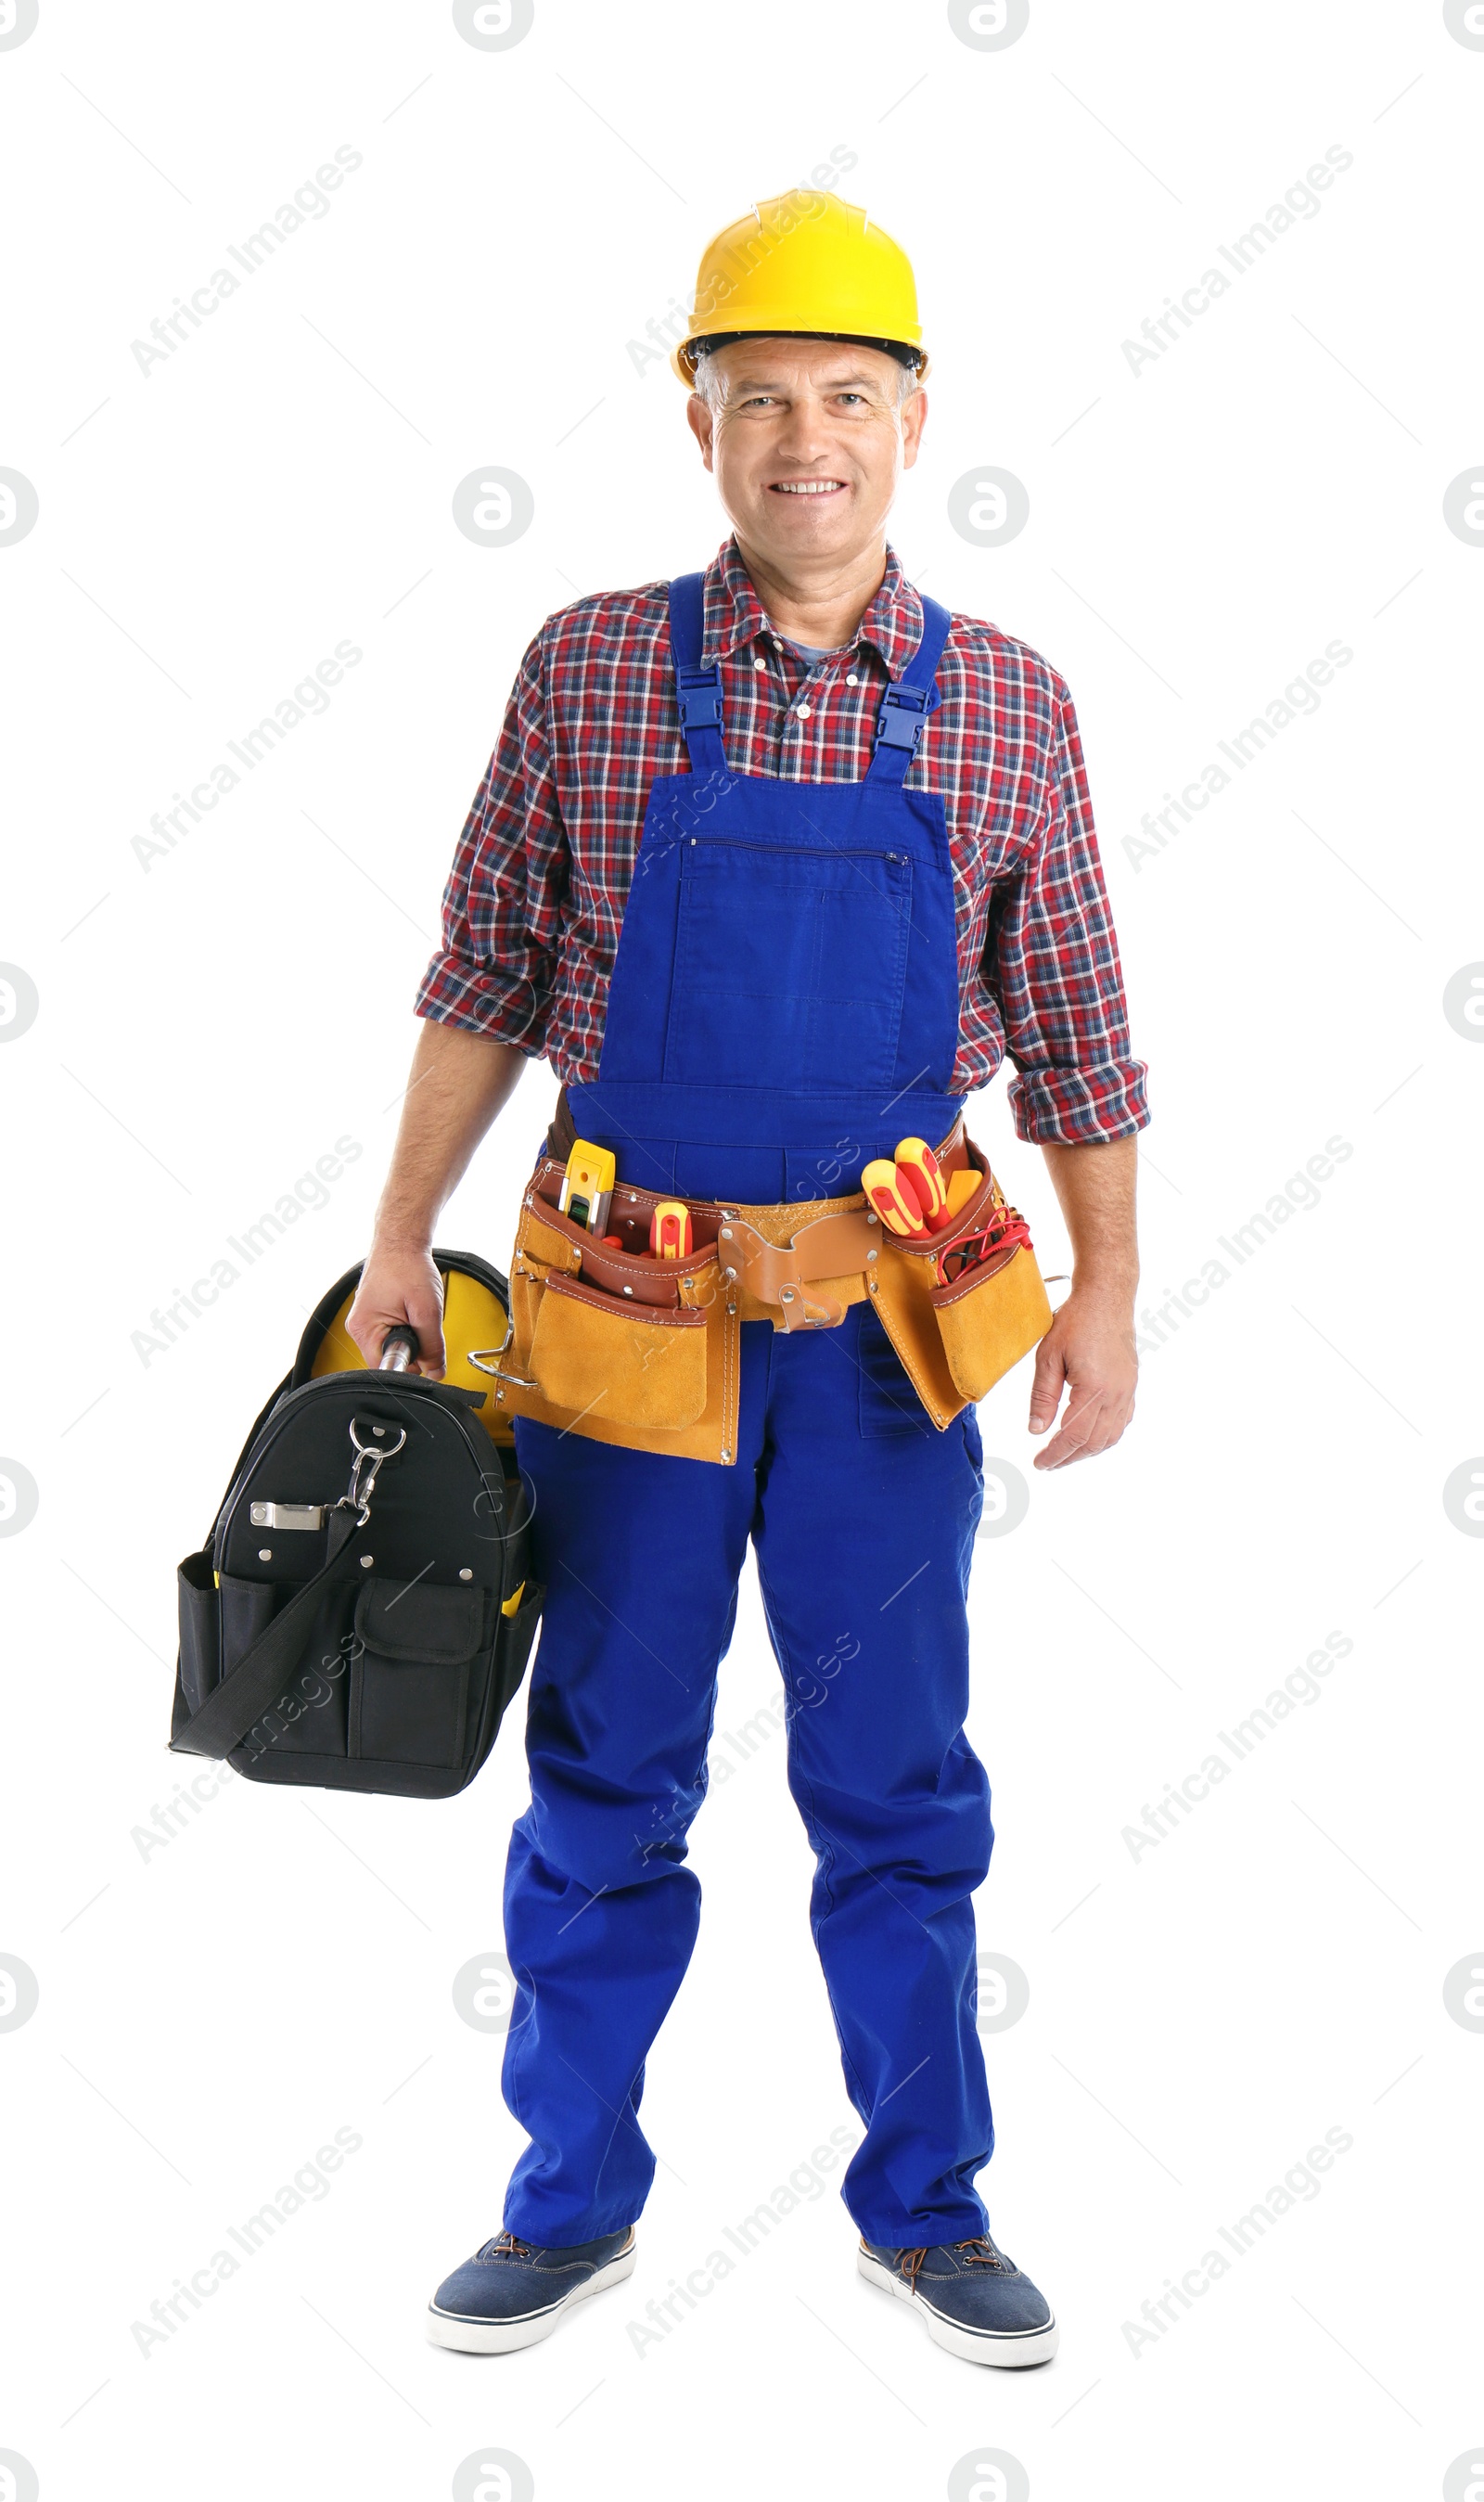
370 1458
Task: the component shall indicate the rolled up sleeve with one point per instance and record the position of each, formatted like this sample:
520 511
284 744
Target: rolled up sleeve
502 907
1051 959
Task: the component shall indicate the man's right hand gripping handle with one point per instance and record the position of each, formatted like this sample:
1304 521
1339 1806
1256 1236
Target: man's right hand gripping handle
458 1083
399 1289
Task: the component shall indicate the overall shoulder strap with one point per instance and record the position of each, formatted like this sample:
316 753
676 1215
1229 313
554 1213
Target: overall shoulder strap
910 699
698 691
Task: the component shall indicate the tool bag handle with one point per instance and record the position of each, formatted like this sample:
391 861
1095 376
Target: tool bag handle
258 1680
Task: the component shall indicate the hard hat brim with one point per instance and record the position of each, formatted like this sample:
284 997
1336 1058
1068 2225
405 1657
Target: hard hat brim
685 357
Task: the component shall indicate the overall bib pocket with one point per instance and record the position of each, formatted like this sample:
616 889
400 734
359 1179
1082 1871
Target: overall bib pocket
789 966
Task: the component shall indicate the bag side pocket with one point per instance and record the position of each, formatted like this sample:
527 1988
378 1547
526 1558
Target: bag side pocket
200 1615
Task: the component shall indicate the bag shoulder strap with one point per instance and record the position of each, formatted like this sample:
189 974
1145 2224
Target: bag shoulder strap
258 1680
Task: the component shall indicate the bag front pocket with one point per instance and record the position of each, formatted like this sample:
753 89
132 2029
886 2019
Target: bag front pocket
627 1362
415 1645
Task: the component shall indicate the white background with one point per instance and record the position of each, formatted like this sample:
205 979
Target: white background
1199 2017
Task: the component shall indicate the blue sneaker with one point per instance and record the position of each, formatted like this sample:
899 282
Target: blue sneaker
975 2301
512 2294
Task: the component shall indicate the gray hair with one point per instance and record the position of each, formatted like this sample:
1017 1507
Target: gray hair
710 383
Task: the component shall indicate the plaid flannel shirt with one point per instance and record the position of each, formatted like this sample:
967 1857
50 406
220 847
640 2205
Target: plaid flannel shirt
534 903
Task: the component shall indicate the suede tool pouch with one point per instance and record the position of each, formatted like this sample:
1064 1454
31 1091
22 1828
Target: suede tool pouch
617 1346
632 1362
957 1340
992 1316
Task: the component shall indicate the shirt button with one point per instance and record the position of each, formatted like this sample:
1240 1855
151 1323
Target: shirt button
760 664
803 710
851 679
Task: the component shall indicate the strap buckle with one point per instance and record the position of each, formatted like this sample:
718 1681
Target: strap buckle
902 717
699 694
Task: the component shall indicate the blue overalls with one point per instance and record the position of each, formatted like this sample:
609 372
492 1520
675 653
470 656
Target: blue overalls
783 1007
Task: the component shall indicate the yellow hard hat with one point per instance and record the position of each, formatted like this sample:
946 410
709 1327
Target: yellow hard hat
805 264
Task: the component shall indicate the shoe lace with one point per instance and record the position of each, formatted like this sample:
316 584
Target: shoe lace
509 2246
978 2253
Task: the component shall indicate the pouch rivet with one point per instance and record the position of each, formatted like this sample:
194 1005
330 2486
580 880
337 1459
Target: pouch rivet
726 1454
368 1559
466 1573
732 1310
628 1290
265 1555
873 1284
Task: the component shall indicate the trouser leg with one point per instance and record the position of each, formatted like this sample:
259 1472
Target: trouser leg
641 1555
866 1524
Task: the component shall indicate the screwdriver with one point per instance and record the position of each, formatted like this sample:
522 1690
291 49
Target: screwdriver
918 1167
670 1230
894 1197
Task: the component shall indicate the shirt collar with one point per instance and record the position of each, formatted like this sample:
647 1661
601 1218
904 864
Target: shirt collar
734 615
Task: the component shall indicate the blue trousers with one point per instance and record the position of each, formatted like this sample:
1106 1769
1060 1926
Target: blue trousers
862 1517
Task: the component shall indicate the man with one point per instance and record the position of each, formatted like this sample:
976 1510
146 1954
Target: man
872 875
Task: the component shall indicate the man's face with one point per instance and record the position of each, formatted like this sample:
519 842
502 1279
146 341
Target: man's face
808 443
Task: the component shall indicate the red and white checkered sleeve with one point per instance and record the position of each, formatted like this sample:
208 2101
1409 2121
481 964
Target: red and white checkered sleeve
502 904
1052 959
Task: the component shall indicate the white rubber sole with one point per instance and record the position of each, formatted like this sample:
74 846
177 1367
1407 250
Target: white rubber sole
1013 2352
470 2336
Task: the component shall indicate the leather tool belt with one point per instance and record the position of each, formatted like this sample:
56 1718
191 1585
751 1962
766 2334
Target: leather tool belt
609 1343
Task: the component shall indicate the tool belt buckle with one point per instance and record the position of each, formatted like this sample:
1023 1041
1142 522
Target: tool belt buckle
775 1272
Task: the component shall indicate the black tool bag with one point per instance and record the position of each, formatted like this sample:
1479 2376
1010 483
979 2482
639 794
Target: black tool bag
362 1612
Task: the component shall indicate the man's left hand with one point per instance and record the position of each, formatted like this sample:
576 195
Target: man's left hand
1089 1349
